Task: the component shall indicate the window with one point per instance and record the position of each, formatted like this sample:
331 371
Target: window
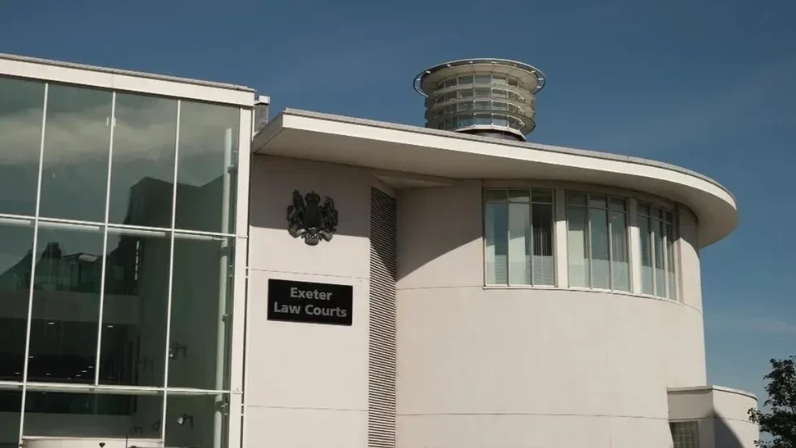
598 241
519 237
685 434
656 229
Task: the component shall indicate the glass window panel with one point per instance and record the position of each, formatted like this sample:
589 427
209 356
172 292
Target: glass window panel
494 195
620 268
497 105
578 246
670 274
135 306
63 334
646 255
465 106
542 262
450 82
76 150
512 81
669 217
465 121
483 119
496 230
596 200
519 244
465 79
500 120
16 241
660 275
467 93
199 337
10 416
79 413
500 93
206 184
483 79
20 126
142 165
481 105
617 204
598 233
576 199
483 92
542 196
519 195
500 80
644 209
190 421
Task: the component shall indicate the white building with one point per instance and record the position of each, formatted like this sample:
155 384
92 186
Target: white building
426 288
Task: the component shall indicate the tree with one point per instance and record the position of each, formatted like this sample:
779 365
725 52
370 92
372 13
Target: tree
780 420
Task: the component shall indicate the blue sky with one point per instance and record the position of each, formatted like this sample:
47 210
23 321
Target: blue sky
706 85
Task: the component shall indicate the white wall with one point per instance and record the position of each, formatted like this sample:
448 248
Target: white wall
525 367
307 384
722 415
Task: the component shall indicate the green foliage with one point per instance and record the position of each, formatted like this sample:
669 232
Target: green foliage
780 419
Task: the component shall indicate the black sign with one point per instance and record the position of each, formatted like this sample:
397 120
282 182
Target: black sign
318 303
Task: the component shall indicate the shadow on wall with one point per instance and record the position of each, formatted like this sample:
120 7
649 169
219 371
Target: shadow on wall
433 222
725 435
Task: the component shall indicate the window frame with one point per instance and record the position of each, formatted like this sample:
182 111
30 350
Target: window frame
628 243
553 248
664 224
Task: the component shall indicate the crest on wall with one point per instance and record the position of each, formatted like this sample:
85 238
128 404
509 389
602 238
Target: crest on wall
311 220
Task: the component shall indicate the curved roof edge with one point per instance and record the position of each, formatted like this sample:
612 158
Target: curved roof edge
419 150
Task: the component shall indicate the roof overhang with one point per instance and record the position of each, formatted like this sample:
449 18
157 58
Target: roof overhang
441 154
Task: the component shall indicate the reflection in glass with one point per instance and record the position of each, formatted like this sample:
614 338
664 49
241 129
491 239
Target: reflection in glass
670 259
85 414
620 268
16 242
598 233
578 246
520 242
196 421
543 263
10 413
199 337
20 127
496 233
646 255
76 148
206 177
142 165
660 274
63 334
135 306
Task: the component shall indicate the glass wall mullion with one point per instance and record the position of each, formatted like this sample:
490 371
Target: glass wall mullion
588 241
508 240
171 274
97 364
531 244
610 244
33 264
653 263
665 239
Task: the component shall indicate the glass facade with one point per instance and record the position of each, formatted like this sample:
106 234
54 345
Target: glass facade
117 225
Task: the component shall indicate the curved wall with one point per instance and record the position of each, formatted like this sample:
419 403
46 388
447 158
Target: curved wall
506 366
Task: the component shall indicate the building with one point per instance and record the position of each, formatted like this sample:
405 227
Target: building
178 271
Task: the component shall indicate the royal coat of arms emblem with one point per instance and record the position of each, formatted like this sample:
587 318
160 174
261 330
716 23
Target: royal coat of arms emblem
310 220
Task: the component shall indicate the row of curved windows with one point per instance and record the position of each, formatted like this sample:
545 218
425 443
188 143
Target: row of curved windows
478 92
485 78
519 241
478 120
480 106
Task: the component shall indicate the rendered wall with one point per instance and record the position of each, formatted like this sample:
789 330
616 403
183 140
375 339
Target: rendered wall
722 415
307 384
526 367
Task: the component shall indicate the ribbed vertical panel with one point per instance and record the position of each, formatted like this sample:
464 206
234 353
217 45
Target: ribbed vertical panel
381 369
